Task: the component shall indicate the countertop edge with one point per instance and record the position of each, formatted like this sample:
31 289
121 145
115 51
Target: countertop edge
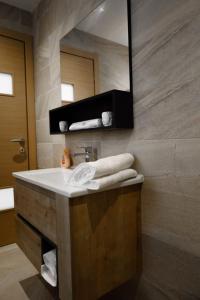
80 191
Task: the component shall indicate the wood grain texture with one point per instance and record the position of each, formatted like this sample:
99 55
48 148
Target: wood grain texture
27 68
7 227
30 91
13 118
97 237
105 235
78 69
30 242
64 248
38 207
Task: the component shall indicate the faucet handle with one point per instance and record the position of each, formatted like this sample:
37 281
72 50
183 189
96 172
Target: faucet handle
91 153
88 149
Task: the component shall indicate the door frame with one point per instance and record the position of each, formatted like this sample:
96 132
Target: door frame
84 54
30 96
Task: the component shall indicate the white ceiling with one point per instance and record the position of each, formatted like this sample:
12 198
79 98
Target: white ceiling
108 21
28 5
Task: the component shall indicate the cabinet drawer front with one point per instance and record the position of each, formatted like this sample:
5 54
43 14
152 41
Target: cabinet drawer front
38 207
30 242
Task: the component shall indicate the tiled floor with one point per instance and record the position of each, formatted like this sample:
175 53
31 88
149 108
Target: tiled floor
14 268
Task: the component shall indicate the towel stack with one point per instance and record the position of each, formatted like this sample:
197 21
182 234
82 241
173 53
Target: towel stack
103 172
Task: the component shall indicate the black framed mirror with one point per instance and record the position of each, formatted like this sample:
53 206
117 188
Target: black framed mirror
96 56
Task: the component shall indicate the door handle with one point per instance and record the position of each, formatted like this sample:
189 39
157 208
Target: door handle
21 142
18 140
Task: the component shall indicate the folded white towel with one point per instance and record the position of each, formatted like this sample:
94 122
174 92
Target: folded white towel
103 182
102 167
48 269
94 123
50 259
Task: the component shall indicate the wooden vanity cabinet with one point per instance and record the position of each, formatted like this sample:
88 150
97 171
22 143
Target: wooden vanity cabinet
30 242
97 238
37 206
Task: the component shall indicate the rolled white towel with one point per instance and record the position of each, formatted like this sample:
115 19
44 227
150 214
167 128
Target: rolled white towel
94 123
50 259
49 269
103 182
102 167
48 276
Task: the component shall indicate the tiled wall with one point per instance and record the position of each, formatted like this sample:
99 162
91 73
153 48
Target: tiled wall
15 19
166 138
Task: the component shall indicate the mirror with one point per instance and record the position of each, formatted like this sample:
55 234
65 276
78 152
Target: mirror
96 54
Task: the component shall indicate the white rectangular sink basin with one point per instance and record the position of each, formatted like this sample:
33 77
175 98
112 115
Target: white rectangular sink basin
55 180
50 176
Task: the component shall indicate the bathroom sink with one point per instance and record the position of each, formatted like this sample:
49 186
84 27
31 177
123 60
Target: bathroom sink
51 176
51 179
55 180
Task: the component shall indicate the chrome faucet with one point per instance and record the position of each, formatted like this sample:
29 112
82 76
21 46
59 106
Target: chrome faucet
90 153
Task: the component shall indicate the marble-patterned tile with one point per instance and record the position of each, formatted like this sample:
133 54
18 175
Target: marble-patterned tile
58 139
42 131
47 102
57 154
44 85
187 160
166 73
149 155
179 185
45 155
75 11
172 218
168 118
152 291
173 271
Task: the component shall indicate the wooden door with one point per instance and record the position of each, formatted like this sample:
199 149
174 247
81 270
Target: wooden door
79 69
13 110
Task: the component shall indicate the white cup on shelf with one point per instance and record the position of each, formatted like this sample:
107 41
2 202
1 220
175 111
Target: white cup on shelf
107 117
63 126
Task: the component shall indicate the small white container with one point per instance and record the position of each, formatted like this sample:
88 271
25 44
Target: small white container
107 118
63 126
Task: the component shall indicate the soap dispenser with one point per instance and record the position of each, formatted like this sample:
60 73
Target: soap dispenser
66 161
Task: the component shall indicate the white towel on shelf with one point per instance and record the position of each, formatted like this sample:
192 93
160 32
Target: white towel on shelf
94 123
104 182
102 167
49 269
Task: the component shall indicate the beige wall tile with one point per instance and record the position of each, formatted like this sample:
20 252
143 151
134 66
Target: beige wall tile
188 157
42 131
57 154
172 218
45 155
173 272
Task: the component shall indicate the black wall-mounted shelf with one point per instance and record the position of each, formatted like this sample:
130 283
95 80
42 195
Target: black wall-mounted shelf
119 102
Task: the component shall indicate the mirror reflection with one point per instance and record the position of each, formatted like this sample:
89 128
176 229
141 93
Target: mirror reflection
95 54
